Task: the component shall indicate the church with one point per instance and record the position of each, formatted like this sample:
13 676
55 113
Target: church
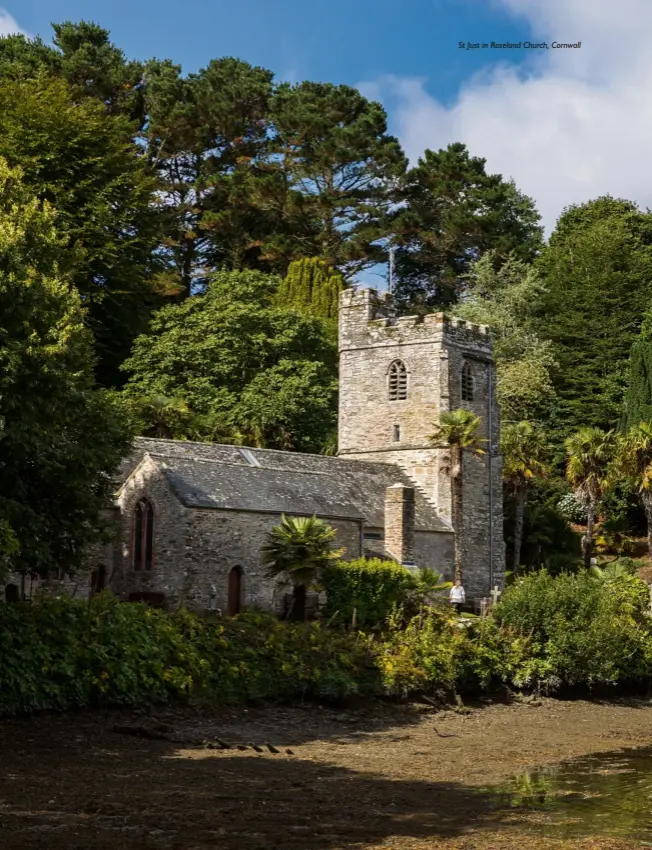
191 518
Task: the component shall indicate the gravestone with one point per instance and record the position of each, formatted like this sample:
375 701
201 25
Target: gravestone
495 594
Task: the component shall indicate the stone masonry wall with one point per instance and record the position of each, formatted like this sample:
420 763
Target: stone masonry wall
171 521
220 540
195 549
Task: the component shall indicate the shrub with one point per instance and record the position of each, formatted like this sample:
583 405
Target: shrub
571 509
370 586
419 656
63 653
580 631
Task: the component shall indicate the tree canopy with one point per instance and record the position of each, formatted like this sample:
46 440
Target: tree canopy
61 439
253 371
452 212
597 269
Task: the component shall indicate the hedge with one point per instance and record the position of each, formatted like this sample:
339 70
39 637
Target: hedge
545 633
369 586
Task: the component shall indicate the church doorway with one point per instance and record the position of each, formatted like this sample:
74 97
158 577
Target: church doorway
235 591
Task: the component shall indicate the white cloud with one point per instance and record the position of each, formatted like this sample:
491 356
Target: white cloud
567 125
8 25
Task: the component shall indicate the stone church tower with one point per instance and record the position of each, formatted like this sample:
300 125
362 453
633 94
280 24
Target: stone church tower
396 375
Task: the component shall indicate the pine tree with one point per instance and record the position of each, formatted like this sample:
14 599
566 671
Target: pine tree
311 286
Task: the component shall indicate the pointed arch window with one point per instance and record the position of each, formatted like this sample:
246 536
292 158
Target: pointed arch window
467 382
143 535
397 381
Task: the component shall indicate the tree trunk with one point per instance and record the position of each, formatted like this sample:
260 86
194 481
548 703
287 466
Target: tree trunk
298 610
646 498
590 517
521 493
456 487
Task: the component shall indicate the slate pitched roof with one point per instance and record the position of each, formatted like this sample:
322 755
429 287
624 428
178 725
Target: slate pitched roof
205 475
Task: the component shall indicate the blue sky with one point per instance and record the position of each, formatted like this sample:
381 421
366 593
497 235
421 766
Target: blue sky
342 41
566 124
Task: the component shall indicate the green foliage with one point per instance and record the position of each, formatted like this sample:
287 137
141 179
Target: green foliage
597 269
548 540
508 298
590 455
86 163
299 549
311 286
62 653
243 365
331 148
61 439
8 547
419 657
453 213
82 55
637 405
206 136
546 633
371 587
582 631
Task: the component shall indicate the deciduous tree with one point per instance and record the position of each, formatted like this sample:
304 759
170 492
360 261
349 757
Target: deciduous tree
246 366
61 439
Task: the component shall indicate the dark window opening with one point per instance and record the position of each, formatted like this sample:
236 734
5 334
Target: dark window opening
467 382
143 535
396 434
397 381
235 592
12 593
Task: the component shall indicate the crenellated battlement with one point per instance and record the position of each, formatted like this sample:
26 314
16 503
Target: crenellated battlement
368 317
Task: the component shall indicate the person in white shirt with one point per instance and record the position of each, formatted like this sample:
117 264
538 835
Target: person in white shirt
457 596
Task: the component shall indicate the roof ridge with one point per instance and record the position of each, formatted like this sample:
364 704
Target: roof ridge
242 465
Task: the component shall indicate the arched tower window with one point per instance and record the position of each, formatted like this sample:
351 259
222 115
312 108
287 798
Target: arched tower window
397 381
143 535
467 382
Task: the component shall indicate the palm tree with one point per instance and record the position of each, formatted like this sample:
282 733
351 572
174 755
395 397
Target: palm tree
457 431
523 450
634 460
299 548
590 453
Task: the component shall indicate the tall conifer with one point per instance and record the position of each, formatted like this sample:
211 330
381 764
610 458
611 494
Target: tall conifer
637 405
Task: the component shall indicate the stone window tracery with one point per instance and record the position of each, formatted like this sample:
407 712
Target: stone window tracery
397 381
143 535
467 382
